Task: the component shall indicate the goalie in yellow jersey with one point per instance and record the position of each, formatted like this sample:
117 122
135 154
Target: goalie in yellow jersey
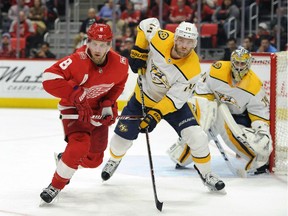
170 67
230 100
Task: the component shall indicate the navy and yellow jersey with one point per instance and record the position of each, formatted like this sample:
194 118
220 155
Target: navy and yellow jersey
168 82
248 94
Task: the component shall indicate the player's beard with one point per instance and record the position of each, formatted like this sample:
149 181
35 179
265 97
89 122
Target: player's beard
98 58
182 53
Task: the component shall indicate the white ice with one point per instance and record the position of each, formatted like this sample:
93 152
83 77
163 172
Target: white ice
29 138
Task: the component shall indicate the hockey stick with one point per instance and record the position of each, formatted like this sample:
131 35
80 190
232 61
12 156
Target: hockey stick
239 172
123 117
157 202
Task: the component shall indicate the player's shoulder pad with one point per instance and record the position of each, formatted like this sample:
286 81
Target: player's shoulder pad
117 58
220 70
190 67
251 83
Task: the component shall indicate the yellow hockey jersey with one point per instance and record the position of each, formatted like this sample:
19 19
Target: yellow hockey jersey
248 94
167 83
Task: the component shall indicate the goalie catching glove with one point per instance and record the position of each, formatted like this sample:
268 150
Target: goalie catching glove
150 120
137 59
79 99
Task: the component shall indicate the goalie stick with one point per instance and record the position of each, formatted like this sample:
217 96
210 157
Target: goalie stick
239 172
157 202
95 117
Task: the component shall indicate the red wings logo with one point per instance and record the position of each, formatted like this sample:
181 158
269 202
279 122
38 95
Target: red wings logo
98 90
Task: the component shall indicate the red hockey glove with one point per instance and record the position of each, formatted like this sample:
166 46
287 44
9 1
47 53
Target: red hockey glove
137 59
78 97
109 112
151 119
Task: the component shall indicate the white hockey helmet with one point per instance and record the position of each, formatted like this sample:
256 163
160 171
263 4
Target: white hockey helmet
186 30
240 62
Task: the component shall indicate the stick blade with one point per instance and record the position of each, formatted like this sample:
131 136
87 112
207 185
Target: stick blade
159 205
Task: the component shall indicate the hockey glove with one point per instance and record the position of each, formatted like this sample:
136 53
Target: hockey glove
109 112
150 120
137 59
78 98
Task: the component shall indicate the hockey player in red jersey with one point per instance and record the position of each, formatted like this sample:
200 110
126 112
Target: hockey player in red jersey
88 82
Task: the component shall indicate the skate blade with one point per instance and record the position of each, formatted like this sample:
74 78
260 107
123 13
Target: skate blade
44 204
218 192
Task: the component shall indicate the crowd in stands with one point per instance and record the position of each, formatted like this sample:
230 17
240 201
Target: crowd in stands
36 17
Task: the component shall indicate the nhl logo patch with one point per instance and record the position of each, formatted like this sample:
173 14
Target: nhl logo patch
217 65
163 35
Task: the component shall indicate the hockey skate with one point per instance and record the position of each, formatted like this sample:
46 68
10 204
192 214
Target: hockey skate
212 181
48 194
109 169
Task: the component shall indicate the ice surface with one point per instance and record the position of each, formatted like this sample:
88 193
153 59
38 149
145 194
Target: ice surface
29 138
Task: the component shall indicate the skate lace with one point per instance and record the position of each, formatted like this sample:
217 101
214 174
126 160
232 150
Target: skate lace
111 166
51 191
211 179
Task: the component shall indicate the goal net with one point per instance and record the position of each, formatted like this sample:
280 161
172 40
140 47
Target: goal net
273 71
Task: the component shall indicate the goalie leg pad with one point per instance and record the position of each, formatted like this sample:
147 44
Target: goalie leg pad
204 110
180 153
242 140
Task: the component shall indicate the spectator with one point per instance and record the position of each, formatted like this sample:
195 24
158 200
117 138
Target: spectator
6 50
265 45
248 44
52 14
27 31
154 12
37 15
141 5
106 13
126 47
91 18
262 30
231 46
44 52
206 11
130 16
181 12
221 15
13 11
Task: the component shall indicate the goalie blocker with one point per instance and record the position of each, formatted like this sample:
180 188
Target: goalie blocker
252 144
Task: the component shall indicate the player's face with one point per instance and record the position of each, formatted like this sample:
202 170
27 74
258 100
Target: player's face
98 50
184 46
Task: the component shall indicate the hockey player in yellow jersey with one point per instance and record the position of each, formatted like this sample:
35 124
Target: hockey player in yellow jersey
230 100
169 67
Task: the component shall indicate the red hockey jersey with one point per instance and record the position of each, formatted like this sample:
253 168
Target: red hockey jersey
100 83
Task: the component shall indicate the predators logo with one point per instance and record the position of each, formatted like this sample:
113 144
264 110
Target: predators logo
217 65
122 127
226 99
158 77
163 35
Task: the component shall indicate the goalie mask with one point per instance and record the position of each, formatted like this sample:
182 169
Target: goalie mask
240 62
187 30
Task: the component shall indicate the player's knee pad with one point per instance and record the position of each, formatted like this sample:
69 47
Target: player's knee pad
92 160
197 140
180 153
119 146
77 148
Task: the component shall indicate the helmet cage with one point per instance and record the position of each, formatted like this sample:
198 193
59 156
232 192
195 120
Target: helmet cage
240 63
